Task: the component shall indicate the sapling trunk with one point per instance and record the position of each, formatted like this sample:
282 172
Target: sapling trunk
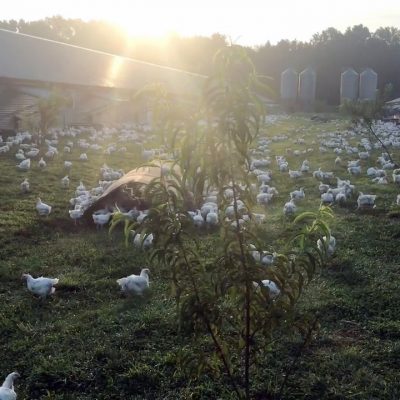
247 316
206 321
302 347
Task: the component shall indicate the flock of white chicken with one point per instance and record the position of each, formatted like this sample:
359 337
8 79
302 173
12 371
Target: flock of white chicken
209 215
350 143
353 150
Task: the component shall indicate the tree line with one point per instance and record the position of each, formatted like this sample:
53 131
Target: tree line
329 51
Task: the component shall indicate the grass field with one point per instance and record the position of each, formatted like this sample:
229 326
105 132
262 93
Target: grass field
89 342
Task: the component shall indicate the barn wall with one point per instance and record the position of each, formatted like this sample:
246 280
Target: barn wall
18 99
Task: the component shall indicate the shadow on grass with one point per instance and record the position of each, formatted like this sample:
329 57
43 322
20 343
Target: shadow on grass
343 272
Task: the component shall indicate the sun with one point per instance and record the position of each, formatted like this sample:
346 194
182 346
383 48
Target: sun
145 24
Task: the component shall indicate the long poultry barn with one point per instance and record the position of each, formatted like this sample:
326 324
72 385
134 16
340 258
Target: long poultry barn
99 85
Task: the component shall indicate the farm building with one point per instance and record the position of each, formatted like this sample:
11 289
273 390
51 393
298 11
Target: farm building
98 85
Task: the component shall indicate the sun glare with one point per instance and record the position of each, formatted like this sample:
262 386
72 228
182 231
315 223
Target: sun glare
157 25
250 23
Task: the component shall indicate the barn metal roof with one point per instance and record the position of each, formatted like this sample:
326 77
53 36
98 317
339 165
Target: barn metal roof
31 58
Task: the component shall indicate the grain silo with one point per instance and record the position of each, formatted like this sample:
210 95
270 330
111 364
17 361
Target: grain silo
368 84
307 86
349 85
289 83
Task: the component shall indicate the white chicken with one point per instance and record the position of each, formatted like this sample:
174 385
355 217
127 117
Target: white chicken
101 218
136 284
24 165
273 290
263 257
32 153
396 176
264 198
294 174
25 186
76 214
7 388
305 166
380 180
41 286
264 178
297 194
366 200
42 163
142 215
341 198
323 187
207 208
198 219
49 154
259 218
142 241
131 214
65 182
20 155
328 247
354 170
42 208
81 187
212 218
289 208
327 198
283 166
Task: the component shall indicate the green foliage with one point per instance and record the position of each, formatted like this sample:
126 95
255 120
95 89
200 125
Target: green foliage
222 294
368 110
48 110
46 113
361 109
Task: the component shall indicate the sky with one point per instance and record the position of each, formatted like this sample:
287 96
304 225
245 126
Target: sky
250 22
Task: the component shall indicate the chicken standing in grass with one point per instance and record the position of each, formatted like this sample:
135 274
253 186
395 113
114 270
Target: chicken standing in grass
42 163
42 208
24 165
7 388
76 214
101 218
41 286
25 186
325 246
289 208
366 200
65 182
142 241
135 284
